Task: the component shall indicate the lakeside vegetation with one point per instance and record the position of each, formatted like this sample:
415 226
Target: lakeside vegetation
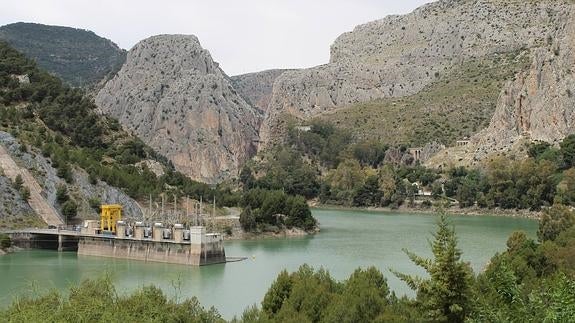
531 281
327 164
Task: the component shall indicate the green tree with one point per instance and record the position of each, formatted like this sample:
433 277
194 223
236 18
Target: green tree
566 188
5 241
62 194
25 193
445 296
553 221
69 209
277 293
18 182
368 194
364 297
248 219
568 150
247 178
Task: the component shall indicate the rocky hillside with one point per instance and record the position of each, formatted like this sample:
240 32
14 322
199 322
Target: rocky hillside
173 96
71 157
77 56
399 56
538 105
256 88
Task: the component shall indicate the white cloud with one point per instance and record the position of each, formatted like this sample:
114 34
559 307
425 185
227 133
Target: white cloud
243 36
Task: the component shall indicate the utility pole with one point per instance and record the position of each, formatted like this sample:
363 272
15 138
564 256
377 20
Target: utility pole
213 224
163 202
175 206
200 213
187 207
150 210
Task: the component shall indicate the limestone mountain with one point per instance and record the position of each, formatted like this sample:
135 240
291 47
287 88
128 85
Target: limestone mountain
257 87
172 95
77 56
400 56
538 105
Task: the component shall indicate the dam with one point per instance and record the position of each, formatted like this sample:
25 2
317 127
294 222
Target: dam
111 237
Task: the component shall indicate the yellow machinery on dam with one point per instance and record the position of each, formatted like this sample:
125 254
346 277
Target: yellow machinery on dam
109 217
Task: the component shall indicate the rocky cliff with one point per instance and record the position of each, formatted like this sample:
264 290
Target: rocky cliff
77 56
256 88
400 55
173 96
538 105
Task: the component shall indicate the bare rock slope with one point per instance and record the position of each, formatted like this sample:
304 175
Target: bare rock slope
400 55
173 96
539 105
257 87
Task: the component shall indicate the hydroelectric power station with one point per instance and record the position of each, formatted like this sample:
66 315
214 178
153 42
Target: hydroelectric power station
115 238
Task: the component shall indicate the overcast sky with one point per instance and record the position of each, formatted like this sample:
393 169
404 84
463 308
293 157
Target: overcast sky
242 35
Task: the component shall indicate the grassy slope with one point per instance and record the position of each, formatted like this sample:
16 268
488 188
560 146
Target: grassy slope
456 106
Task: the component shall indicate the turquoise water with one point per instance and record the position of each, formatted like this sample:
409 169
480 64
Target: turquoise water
348 239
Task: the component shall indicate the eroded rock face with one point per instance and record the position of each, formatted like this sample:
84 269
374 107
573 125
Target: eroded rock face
256 88
400 55
540 103
173 96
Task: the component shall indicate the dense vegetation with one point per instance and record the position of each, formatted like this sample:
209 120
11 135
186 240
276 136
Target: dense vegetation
265 210
327 164
532 281
79 57
98 301
63 125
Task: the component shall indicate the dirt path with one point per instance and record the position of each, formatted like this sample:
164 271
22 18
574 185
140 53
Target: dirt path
37 202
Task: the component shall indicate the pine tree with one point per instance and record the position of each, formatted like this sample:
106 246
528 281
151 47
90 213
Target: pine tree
445 296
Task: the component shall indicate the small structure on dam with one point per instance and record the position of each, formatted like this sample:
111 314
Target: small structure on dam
115 238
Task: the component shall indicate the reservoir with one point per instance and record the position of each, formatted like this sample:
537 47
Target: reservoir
348 239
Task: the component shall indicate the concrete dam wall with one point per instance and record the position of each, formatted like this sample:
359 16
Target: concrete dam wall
157 251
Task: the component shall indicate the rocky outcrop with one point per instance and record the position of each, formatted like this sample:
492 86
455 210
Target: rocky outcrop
81 190
256 88
172 95
77 56
539 105
12 205
400 55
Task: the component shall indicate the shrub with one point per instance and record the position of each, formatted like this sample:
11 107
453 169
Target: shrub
5 241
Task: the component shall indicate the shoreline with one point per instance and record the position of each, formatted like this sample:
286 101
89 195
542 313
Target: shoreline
286 233
526 214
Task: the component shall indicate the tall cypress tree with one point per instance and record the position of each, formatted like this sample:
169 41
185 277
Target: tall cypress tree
445 295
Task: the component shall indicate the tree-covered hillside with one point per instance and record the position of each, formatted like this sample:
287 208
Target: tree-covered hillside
77 56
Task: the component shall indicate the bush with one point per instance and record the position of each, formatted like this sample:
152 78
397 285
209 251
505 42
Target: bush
95 204
25 193
18 182
69 209
5 241
62 194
